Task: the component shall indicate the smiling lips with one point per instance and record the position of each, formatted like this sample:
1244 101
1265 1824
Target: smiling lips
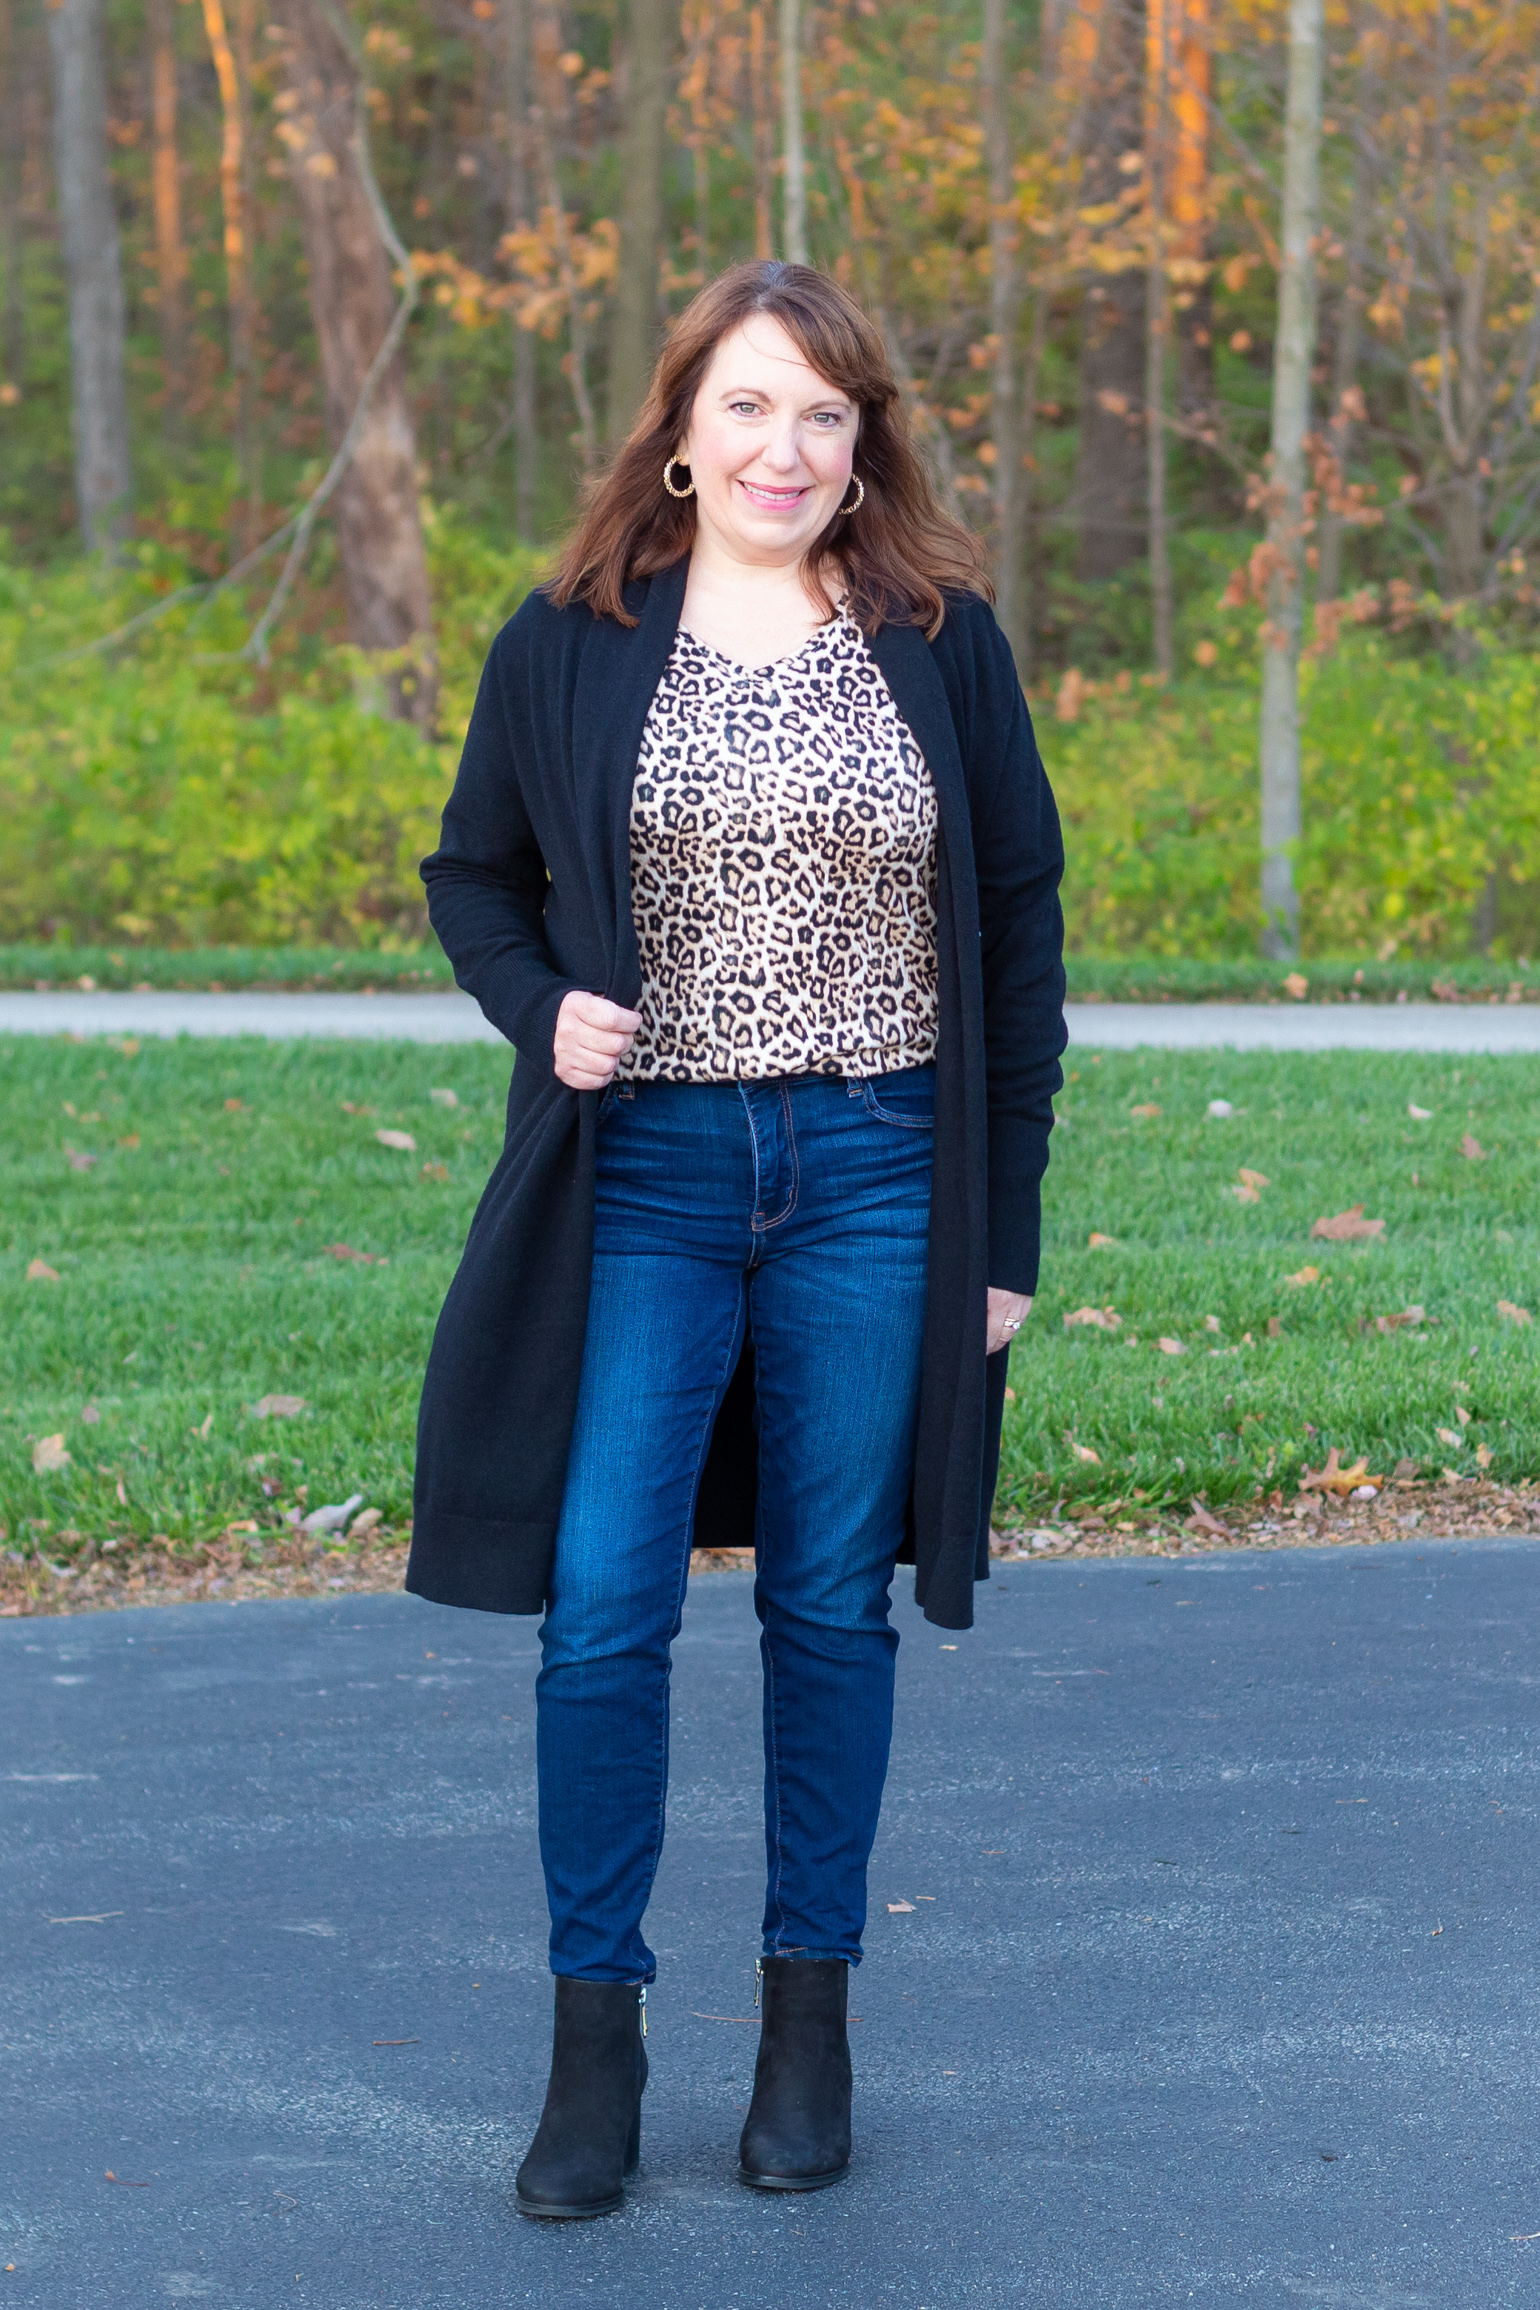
773 500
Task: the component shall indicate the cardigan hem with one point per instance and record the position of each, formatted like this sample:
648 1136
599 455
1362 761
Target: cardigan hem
480 1563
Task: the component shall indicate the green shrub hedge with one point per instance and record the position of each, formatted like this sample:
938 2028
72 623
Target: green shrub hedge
162 795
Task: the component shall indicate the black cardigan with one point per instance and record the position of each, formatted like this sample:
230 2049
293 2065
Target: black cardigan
530 894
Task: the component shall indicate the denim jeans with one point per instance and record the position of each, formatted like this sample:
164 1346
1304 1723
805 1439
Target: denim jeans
798 1207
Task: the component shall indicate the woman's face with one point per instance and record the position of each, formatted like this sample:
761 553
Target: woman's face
769 446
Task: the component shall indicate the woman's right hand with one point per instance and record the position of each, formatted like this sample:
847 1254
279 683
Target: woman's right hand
593 1035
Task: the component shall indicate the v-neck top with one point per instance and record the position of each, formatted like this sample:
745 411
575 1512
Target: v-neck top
783 869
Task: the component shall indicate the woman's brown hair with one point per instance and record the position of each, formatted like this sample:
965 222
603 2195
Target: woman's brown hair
900 553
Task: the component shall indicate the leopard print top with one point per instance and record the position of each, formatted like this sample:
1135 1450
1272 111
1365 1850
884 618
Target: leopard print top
783 870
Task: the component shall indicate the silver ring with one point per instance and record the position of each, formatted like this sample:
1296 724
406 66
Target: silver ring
1016 1326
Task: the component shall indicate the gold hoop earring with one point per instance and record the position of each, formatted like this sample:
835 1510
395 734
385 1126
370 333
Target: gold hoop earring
860 497
668 485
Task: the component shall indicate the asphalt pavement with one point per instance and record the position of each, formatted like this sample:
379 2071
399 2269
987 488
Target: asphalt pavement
1201 1969
455 1018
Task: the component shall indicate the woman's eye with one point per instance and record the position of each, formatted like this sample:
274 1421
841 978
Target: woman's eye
828 419
744 408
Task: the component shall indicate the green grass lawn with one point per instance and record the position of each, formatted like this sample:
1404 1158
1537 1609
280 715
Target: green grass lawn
1193 1264
194 1277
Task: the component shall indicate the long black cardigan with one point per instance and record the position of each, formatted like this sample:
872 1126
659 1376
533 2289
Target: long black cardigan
530 894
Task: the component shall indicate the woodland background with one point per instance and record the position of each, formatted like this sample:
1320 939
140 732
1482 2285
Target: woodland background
1065 219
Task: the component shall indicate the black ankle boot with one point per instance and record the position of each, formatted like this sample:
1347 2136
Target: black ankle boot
590 2133
798 2132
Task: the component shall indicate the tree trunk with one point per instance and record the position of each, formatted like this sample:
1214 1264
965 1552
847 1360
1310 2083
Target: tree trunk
793 154
379 530
13 343
1032 587
1293 357
245 68
544 117
1004 327
1110 452
166 195
634 321
762 132
1157 159
232 187
94 270
526 435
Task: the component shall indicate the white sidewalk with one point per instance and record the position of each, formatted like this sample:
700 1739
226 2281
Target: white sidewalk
454 1018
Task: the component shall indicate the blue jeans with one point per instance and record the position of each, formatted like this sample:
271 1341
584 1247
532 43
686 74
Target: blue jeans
798 1208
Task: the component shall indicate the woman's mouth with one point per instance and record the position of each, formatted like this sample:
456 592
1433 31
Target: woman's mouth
772 500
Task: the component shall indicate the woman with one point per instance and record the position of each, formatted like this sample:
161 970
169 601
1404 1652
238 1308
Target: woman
752 858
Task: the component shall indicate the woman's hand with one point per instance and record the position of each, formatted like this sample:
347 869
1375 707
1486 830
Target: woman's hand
593 1035
1008 1311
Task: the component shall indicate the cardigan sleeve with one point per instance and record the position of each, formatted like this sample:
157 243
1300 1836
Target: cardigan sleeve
1019 858
487 880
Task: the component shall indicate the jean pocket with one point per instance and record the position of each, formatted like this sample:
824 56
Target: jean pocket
607 1099
907 1099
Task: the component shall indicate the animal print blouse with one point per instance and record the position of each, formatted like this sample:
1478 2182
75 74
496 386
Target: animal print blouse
783 870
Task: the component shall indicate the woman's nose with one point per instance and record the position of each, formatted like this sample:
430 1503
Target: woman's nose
781 451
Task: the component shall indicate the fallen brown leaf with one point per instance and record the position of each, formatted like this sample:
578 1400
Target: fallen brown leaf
346 1251
79 1160
1335 1478
1253 1178
444 1098
39 1271
402 1140
1413 1314
1146 1112
1274 1328
1448 1435
1084 1452
1505 1307
1303 1278
1097 1242
1472 1149
48 1455
1170 1347
1201 1521
280 1407
1348 1226
1095 1318
439 1171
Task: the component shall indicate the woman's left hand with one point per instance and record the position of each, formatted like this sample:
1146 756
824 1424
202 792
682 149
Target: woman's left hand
1008 1311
